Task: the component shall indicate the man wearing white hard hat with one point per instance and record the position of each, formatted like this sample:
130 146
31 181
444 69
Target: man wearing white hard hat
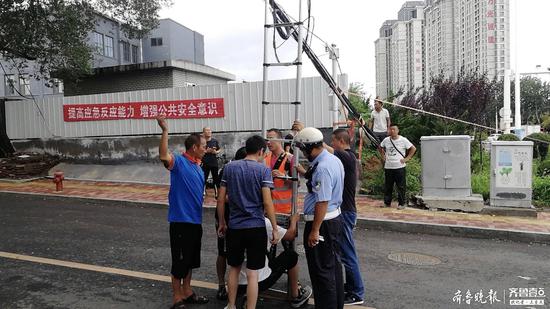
325 184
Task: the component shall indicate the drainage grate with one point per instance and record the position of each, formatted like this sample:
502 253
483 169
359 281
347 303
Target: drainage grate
414 259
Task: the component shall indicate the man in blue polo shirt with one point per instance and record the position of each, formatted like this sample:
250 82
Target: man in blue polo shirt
325 185
184 213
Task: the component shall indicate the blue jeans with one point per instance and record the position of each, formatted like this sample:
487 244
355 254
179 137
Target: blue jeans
354 283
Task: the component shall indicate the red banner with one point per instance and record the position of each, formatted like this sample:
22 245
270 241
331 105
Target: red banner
181 109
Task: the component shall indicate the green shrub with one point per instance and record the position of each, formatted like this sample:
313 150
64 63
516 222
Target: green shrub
541 191
481 183
508 137
540 148
543 168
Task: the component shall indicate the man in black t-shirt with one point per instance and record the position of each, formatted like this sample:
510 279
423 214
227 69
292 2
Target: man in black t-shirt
354 288
210 159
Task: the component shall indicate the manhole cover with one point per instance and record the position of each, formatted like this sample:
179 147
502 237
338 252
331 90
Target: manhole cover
414 259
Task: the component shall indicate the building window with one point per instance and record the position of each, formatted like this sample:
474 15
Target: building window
9 84
57 86
156 41
24 85
98 42
109 47
126 51
135 54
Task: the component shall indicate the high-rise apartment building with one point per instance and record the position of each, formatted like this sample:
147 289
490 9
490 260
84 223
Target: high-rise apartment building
456 36
399 51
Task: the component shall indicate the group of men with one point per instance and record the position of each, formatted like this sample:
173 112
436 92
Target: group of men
253 188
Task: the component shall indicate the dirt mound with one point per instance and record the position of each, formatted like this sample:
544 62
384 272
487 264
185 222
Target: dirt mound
26 165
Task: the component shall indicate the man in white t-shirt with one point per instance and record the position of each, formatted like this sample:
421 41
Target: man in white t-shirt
277 266
379 121
396 151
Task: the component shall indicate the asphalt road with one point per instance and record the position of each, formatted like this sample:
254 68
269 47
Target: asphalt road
136 238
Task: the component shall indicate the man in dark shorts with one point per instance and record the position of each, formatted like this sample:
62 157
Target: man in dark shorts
210 160
184 213
221 260
248 185
353 287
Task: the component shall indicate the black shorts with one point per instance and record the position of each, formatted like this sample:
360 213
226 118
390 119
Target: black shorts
222 249
185 245
253 241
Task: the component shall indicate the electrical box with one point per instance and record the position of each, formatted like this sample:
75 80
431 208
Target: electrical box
446 166
511 174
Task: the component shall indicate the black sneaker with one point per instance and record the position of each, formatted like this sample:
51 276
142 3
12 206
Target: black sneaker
222 293
304 293
352 300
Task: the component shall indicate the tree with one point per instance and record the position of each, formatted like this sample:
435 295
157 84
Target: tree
52 34
358 100
535 99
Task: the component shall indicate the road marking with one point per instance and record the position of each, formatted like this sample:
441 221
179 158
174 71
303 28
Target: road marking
123 272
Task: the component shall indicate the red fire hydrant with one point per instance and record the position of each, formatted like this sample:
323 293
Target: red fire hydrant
58 180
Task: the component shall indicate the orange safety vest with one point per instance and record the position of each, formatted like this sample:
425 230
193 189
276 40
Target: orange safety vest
282 192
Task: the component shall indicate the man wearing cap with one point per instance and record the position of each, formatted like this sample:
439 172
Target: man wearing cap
325 184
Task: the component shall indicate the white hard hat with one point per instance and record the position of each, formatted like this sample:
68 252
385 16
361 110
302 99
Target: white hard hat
309 135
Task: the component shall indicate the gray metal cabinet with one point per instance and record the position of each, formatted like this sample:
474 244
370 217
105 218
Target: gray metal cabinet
446 166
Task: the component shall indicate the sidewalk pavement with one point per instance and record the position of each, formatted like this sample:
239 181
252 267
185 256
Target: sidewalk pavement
368 209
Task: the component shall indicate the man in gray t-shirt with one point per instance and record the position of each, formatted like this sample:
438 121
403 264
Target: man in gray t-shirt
396 151
379 121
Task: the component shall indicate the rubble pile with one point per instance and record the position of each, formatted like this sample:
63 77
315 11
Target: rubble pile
26 165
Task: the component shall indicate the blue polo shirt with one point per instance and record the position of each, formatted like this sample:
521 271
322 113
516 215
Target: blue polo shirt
186 191
244 180
327 183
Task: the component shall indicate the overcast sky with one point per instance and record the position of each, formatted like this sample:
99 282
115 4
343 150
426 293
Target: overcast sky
233 34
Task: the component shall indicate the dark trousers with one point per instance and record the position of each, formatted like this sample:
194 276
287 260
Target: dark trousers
324 265
380 135
282 263
398 177
207 169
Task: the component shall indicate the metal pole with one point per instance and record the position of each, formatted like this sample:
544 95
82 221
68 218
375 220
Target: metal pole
517 91
299 67
506 112
265 68
334 55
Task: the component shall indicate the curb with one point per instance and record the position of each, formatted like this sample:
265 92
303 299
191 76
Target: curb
453 230
365 223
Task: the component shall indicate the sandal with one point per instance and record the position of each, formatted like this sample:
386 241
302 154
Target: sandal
195 299
178 305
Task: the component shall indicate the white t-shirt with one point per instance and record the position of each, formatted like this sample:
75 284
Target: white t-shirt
380 122
266 271
393 158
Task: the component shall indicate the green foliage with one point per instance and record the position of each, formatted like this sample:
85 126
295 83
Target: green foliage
541 191
508 137
535 99
540 147
52 35
358 101
543 169
481 183
545 125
